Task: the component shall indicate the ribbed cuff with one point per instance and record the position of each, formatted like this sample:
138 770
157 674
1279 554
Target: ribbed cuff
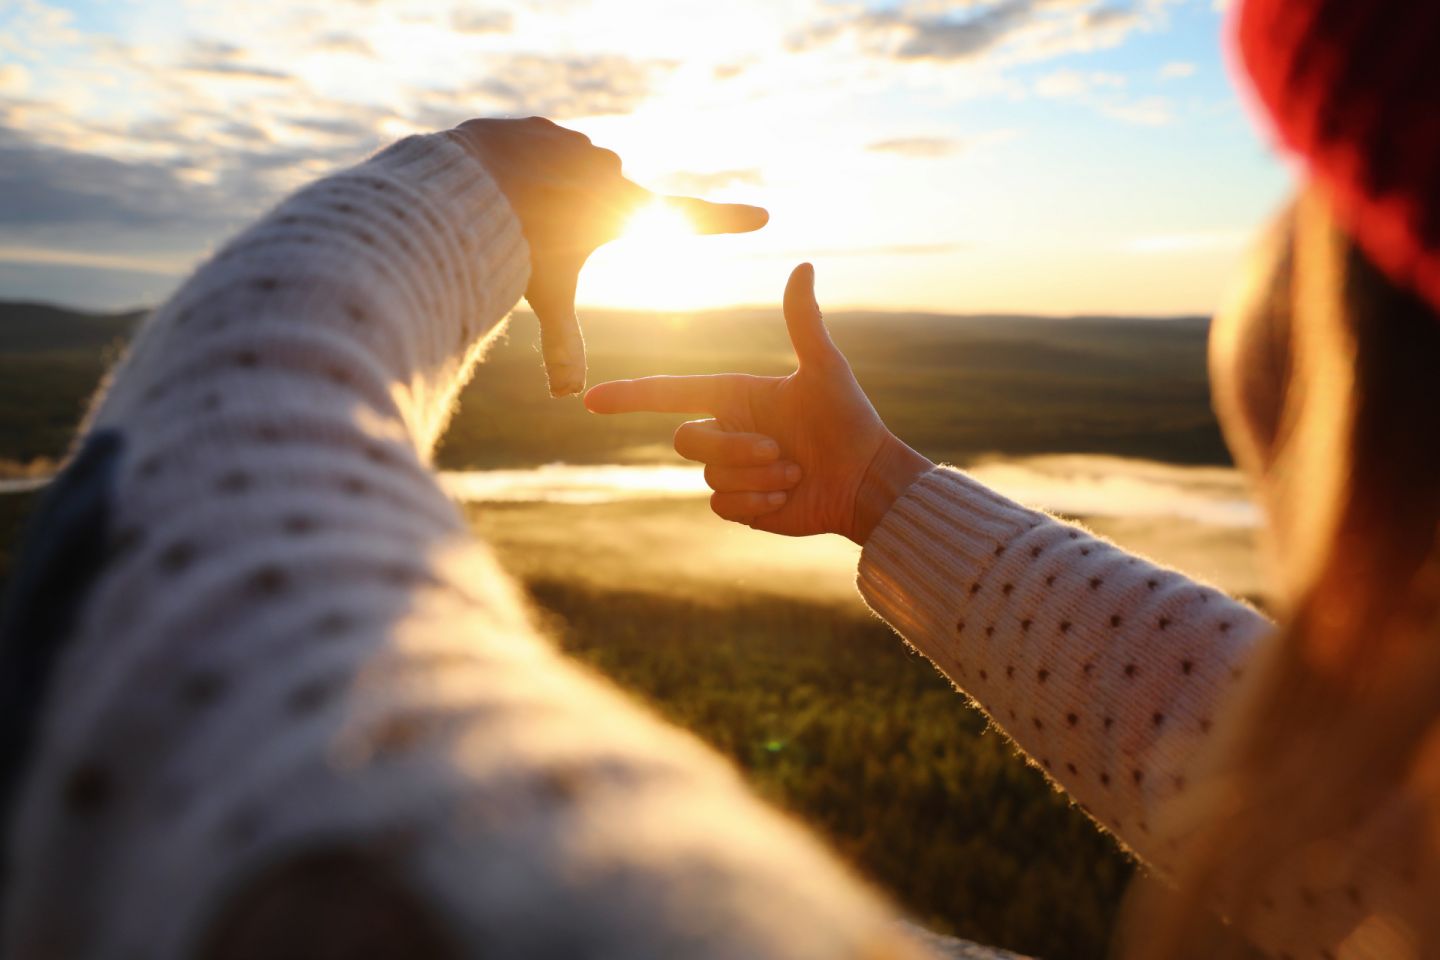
945 531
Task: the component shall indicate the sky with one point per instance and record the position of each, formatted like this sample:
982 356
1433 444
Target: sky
958 156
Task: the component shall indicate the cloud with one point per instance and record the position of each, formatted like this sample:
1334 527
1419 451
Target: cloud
946 39
1025 29
926 148
1177 70
1102 93
728 71
59 197
239 71
355 129
344 43
165 266
227 60
14 78
41 184
703 183
106 230
157 158
1070 84
1149 112
472 21
1111 18
557 87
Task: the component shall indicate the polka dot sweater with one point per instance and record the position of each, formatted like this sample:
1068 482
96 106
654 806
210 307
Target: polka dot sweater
1108 672
265 696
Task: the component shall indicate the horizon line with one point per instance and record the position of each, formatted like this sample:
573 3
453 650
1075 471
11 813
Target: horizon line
581 310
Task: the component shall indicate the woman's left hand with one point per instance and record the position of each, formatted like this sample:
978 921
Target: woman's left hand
571 198
796 455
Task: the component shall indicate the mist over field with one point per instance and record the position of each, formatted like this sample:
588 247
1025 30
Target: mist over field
761 645
610 522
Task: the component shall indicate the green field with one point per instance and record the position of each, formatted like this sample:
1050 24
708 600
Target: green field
828 714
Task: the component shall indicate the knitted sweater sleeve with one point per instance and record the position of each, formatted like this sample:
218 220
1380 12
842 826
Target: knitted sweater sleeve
1105 669
265 696
1108 672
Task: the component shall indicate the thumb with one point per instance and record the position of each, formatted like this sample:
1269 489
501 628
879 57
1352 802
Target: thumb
804 320
552 296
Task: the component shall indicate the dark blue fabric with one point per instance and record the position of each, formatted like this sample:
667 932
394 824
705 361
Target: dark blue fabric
64 551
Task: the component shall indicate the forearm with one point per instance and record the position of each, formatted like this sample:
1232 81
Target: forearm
376 286
1106 670
296 380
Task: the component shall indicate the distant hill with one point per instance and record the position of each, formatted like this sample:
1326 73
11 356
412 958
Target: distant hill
41 327
956 387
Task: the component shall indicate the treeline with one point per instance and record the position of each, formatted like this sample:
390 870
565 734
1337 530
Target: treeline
955 387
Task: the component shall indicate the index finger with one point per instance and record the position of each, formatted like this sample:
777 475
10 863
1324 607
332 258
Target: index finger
706 217
695 394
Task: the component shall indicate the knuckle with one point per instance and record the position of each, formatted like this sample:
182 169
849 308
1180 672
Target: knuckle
608 159
687 440
712 476
736 389
739 448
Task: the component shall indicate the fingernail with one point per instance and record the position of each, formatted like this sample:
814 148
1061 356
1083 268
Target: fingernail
792 473
566 381
767 449
775 498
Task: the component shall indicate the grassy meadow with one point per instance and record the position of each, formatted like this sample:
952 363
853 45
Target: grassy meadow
764 650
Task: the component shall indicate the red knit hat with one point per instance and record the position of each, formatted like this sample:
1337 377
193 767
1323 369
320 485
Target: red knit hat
1353 87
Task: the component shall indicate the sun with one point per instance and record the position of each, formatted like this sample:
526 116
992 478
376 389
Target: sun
657 221
657 263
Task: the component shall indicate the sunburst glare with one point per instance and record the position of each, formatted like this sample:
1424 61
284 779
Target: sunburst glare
658 263
658 221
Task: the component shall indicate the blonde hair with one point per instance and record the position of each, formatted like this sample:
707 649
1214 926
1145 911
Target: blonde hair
1328 764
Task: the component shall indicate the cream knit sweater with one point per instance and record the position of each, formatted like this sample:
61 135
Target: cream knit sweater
257 647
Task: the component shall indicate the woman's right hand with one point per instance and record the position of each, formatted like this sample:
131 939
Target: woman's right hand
571 198
795 455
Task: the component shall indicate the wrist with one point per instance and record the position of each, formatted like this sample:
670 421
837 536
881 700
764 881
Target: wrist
893 469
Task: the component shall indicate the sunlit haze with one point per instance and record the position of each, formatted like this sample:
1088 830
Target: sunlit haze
1050 156
650 266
